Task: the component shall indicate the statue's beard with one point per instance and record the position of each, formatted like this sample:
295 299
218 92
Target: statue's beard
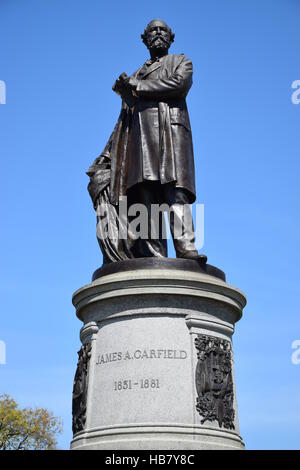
158 42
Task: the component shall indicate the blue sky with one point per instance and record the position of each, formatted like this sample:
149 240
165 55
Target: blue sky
59 61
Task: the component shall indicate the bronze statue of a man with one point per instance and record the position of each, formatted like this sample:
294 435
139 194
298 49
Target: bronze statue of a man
149 156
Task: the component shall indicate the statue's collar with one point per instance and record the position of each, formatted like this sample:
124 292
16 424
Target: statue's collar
152 61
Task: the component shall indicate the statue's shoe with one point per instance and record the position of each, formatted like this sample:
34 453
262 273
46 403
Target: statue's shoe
195 256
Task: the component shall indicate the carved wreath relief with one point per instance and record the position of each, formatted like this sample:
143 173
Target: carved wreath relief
80 388
214 382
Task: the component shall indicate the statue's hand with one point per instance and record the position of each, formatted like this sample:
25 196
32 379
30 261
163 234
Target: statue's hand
119 83
131 82
125 87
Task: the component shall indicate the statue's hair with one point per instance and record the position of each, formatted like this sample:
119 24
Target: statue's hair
144 35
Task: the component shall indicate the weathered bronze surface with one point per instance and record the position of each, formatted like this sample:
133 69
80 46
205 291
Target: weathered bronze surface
80 388
214 381
149 155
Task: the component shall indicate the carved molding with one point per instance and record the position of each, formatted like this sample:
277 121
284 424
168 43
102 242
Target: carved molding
214 383
80 388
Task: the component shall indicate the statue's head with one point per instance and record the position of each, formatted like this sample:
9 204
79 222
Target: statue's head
158 35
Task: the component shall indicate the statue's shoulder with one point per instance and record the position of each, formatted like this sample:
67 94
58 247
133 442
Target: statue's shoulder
176 59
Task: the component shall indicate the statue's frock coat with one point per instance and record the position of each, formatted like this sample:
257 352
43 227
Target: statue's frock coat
152 139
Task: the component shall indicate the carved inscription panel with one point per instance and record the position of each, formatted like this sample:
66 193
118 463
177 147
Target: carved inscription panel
142 371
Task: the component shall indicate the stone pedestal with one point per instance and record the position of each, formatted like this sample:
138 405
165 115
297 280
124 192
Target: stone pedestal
156 367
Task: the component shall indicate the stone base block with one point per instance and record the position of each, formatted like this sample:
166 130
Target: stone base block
155 370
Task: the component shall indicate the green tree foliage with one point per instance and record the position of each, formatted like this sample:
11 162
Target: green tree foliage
27 428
